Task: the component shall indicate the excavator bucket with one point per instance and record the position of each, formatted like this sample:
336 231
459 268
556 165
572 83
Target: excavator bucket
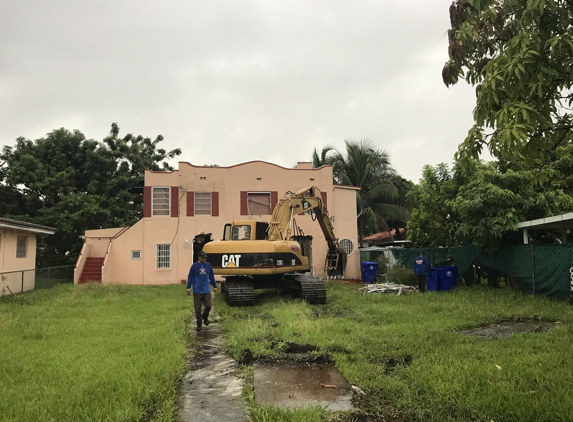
335 263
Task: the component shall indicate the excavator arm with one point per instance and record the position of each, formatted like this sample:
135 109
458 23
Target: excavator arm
282 224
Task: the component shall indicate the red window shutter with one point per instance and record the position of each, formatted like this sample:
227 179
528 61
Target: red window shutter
274 200
323 194
147 201
215 204
244 209
174 201
190 204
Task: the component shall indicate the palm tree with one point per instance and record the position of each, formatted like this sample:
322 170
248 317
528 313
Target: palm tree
323 159
369 169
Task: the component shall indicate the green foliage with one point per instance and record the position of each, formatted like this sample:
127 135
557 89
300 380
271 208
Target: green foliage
482 203
73 184
322 159
93 353
401 275
432 220
369 168
519 55
382 264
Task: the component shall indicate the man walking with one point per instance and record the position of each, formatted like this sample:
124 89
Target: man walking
421 266
200 276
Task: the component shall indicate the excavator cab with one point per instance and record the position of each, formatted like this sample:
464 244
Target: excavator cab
245 230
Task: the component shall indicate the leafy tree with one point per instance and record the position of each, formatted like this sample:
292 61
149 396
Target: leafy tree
433 220
369 168
480 205
519 55
12 200
73 184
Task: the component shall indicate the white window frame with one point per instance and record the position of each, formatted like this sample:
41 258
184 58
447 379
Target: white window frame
163 256
249 201
158 205
201 206
21 248
135 254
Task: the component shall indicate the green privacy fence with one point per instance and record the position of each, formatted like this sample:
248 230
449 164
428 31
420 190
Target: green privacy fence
537 269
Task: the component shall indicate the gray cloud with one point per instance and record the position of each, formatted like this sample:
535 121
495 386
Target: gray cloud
230 81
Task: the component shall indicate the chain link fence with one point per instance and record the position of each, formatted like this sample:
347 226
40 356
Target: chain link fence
49 277
41 278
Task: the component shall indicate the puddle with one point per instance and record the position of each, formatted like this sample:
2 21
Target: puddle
507 328
294 384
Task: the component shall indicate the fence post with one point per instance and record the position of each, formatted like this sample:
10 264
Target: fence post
571 285
22 290
533 268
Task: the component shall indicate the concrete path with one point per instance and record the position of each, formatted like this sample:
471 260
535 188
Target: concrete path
211 389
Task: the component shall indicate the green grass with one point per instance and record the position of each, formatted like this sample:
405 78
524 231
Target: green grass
117 353
448 376
93 353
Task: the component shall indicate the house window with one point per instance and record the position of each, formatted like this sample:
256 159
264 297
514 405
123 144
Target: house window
202 203
21 246
347 246
259 203
163 256
161 201
135 254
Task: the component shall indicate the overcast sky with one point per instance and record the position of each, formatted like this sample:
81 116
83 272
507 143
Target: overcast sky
235 81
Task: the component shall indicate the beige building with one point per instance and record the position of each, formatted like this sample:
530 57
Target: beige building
189 206
18 255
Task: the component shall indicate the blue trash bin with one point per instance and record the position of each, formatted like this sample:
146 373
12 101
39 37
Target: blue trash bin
369 271
432 280
447 278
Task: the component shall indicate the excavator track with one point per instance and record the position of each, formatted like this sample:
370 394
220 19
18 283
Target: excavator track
238 291
311 289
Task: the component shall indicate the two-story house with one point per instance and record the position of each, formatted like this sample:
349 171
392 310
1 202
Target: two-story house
189 206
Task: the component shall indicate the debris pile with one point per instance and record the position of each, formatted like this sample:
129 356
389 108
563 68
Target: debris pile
388 288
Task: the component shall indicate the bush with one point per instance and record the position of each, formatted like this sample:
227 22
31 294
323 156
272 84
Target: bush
401 275
383 262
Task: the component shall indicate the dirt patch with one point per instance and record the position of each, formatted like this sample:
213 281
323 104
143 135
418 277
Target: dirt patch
299 348
514 325
392 363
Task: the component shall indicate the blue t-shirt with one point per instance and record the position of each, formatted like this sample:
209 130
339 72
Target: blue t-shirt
200 275
421 265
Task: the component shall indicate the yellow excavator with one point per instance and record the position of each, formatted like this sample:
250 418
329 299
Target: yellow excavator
260 255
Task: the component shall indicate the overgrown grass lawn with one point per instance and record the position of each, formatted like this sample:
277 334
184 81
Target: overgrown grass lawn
93 353
406 353
117 353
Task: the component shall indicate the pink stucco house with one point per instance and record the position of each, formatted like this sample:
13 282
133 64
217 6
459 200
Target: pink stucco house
189 206
18 255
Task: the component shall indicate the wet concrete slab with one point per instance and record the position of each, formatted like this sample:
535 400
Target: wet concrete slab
508 328
291 384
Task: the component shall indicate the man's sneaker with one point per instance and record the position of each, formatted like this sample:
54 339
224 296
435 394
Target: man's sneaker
206 321
198 328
